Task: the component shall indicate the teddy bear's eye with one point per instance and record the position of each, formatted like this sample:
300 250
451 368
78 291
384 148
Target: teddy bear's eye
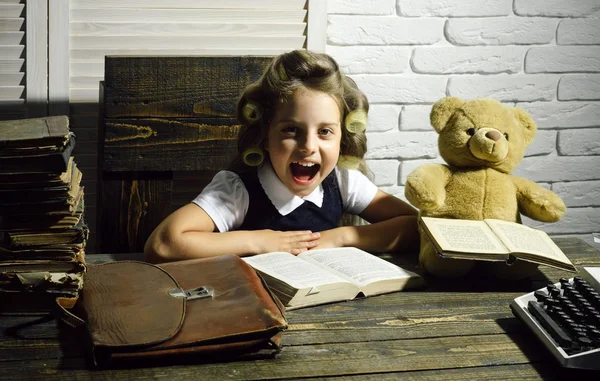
506 135
471 131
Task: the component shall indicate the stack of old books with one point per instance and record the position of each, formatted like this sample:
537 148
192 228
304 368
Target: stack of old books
42 230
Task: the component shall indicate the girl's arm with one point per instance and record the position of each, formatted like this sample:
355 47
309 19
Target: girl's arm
393 228
190 233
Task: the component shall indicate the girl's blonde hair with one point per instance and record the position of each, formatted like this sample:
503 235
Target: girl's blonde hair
287 73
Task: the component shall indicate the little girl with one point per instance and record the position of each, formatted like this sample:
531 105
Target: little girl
301 142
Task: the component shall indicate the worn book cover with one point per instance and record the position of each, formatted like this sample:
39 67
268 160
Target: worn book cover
43 281
11 181
23 192
36 160
34 132
76 234
39 207
55 221
54 252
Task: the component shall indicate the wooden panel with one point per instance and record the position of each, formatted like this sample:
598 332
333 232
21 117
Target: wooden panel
11 66
187 29
12 52
11 10
11 24
156 86
87 162
223 4
11 79
84 95
12 62
186 15
11 92
316 35
13 109
194 42
83 68
37 62
133 205
85 56
58 58
85 81
11 38
169 144
84 109
187 185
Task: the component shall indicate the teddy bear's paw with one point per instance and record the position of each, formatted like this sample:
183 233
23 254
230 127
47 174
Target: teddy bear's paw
549 210
555 210
422 200
552 215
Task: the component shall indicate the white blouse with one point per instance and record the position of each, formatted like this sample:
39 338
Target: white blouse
226 199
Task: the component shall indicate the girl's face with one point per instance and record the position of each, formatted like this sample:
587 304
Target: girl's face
304 138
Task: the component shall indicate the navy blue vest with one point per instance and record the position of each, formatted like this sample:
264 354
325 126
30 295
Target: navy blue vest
262 214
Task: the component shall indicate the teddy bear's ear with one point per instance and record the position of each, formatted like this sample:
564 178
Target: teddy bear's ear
527 123
442 110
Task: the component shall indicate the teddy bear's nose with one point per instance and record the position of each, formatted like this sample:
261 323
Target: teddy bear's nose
494 135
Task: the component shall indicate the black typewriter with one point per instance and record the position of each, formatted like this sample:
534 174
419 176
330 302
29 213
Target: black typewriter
565 316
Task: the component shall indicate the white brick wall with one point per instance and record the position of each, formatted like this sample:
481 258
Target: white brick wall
540 55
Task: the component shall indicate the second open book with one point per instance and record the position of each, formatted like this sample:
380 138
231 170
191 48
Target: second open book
329 275
493 240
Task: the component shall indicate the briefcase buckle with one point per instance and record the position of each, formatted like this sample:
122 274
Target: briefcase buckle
194 293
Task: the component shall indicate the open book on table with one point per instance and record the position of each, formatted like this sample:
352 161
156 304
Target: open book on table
493 240
329 275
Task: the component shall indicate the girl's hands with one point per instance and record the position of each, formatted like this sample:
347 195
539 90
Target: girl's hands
294 242
337 237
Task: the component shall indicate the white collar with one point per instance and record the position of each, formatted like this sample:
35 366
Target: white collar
285 201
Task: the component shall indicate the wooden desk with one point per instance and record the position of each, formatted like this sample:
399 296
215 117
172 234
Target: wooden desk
448 331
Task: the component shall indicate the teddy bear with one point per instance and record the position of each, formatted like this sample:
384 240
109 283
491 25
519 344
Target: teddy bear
482 141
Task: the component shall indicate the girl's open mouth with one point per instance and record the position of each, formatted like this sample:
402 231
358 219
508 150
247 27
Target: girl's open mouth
304 172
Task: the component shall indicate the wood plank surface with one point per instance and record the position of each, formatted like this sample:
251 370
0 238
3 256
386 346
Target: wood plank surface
169 144
132 206
430 334
154 86
314 361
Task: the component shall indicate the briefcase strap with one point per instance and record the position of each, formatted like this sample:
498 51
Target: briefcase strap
61 311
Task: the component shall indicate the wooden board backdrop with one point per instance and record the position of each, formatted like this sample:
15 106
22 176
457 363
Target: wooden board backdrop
168 125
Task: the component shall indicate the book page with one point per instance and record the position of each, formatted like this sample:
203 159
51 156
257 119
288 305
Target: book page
523 239
292 270
464 236
356 265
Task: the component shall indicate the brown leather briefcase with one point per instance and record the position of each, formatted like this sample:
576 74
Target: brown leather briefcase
195 309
